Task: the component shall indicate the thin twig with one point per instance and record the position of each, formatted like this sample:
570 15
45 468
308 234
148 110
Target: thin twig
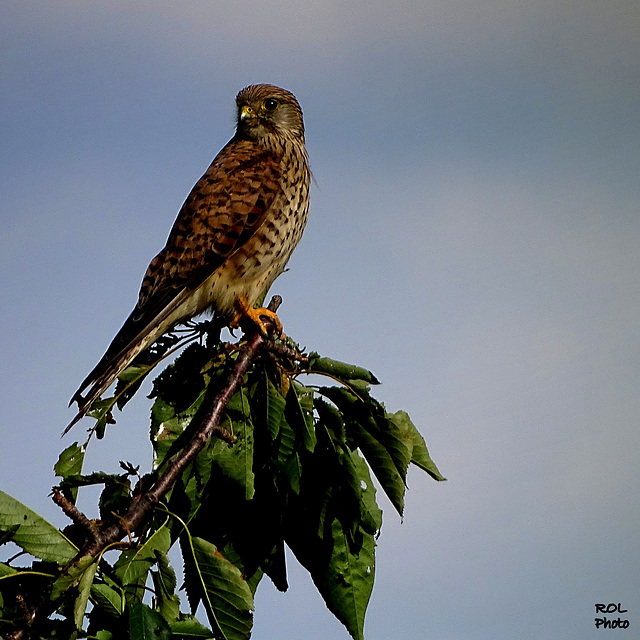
288 352
76 515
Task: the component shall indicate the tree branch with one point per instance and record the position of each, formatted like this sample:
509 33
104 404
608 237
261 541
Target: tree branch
208 421
209 424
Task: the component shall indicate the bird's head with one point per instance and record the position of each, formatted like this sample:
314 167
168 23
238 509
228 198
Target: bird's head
265 109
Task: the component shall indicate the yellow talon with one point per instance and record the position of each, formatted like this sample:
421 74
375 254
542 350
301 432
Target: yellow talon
255 315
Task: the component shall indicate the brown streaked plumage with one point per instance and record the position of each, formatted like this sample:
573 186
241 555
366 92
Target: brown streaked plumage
233 235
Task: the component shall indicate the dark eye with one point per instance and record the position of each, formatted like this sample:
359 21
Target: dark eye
270 104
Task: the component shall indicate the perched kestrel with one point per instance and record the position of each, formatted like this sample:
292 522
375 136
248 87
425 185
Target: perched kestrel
232 238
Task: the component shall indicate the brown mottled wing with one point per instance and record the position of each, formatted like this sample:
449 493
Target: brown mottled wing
224 209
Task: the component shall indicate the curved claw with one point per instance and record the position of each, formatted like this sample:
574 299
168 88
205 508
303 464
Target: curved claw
255 315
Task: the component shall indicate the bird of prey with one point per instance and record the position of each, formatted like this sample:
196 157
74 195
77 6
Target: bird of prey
233 235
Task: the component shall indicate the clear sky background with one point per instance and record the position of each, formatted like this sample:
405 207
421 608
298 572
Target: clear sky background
474 239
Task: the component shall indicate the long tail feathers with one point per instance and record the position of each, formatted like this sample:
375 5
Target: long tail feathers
138 332
127 344
101 378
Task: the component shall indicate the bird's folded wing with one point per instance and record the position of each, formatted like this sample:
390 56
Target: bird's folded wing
222 212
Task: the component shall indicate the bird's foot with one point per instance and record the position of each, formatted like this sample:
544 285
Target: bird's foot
256 316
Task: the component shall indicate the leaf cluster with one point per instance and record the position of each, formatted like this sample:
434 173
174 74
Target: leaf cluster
298 473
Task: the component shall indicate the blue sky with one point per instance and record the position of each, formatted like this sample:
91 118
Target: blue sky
474 240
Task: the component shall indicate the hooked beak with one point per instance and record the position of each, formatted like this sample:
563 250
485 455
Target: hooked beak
247 113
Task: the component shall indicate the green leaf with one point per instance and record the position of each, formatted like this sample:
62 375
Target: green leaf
166 572
115 497
420 454
371 512
299 414
183 381
332 421
34 534
189 627
192 584
372 417
385 446
287 442
170 436
185 498
347 583
101 411
97 477
131 373
382 465
72 576
147 624
108 599
134 564
239 403
274 566
164 439
84 588
8 533
344 489
227 598
70 462
340 370
292 470
6 570
236 462
130 380
342 572
164 580
274 410
160 412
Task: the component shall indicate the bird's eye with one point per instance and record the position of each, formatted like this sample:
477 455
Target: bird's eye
270 104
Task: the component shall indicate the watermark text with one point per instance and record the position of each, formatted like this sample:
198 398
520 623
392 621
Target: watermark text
611 623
